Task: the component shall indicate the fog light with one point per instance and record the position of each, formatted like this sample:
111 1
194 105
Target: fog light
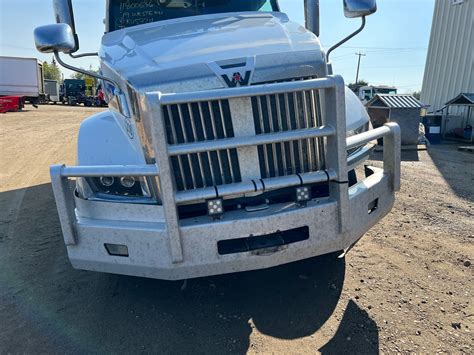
107 180
127 181
215 208
303 194
116 249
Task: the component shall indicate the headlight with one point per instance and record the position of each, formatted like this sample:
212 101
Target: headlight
126 186
361 129
364 128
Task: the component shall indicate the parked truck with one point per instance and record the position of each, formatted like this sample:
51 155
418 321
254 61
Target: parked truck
22 77
367 93
78 91
74 91
229 144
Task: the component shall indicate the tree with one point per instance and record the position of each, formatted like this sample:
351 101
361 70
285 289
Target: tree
417 94
355 86
51 71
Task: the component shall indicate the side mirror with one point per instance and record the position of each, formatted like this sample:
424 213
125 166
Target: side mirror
359 8
63 13
55 38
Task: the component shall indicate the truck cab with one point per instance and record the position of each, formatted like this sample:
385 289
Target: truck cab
229 144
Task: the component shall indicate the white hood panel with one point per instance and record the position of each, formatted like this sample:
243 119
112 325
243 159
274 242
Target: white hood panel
203 39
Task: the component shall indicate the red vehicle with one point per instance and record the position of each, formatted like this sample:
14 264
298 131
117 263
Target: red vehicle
11 103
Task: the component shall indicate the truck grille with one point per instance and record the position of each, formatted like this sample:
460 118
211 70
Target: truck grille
195 122
210 120
285 112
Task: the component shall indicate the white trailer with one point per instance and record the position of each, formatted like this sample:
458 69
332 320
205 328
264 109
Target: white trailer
21 77
52 90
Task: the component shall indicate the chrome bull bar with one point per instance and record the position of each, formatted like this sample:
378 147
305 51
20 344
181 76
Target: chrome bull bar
333 106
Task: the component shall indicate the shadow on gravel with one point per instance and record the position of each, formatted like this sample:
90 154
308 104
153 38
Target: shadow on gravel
357 334
456 167
408 155
47 306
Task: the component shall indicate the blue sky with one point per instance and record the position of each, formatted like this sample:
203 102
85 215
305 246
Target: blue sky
395 40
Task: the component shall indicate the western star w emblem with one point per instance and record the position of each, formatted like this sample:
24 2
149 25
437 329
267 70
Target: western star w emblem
237 79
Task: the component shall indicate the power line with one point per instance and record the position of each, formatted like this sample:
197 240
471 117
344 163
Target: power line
385 67
391 48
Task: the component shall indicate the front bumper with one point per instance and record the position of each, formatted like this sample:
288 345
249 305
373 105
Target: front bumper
162 246
100 223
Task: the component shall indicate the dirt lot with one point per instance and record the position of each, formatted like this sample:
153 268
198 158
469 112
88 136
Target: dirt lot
407 286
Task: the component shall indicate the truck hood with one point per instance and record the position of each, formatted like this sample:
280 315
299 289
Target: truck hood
153 49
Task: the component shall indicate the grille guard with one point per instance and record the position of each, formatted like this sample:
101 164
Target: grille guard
336 171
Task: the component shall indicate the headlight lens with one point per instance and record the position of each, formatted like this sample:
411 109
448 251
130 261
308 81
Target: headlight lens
127 186
364 128
361 129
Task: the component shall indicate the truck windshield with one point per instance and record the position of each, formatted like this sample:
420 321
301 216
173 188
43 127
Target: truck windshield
127 13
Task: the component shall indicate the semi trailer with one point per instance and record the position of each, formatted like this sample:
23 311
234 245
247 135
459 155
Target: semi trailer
22 77
52 91
229 144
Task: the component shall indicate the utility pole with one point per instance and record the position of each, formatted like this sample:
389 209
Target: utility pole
358 66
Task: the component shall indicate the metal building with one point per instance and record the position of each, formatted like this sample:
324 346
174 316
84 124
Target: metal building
450 62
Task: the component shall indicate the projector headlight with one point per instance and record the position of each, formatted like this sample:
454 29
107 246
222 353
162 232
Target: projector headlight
127 186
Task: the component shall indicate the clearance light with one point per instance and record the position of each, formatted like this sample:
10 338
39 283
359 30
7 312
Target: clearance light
303 194
215 208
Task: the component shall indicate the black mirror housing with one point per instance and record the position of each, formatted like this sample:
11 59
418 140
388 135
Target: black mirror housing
359 8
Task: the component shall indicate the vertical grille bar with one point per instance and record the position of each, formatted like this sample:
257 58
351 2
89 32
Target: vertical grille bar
226 135
282 128
262 131
292 146
307 121
206 137
176 162
299 144
272 128
196 138
187 159
219 167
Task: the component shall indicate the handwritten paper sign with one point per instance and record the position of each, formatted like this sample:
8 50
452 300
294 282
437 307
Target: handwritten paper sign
127 13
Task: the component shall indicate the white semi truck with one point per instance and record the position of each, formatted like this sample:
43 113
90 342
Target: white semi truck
229 144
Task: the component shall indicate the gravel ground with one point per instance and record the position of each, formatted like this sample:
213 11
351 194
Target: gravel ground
406 287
